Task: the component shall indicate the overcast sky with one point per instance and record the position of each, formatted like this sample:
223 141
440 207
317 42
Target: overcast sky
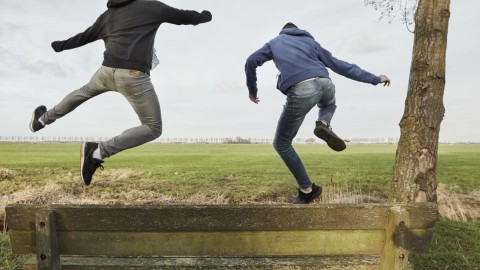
201 82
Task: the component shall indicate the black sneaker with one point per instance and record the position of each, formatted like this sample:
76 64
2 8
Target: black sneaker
35 125
325 133
89 164
303 198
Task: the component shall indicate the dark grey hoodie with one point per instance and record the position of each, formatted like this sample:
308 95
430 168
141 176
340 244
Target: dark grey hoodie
118 3
128 28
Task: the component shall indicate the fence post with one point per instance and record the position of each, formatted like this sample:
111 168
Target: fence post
48 257
395 252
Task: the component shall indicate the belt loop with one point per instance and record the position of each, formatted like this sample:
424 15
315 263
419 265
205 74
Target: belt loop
134 72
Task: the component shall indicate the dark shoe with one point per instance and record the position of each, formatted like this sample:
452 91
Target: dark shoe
35 125
89 164
325 133
303 198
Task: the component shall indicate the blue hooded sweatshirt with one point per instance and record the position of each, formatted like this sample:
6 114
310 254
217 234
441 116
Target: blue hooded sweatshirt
299 57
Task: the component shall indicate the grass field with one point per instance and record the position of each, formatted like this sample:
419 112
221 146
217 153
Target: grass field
242 173
208 173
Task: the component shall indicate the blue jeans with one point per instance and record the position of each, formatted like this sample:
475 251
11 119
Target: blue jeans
136 87
301 98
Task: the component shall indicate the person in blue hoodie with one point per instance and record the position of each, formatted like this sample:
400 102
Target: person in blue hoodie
128 29
305 80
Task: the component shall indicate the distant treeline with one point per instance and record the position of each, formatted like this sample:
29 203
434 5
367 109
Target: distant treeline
226 140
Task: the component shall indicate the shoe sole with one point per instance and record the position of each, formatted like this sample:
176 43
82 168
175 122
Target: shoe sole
299 201
332 140
82 161
33 120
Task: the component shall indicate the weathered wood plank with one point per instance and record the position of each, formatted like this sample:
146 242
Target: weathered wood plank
220 217
240 263
266 243
23 242
48 257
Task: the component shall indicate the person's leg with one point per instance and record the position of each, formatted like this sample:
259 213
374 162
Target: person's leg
97 85
300 100
327 104
101 82
287 128
326 111
139 91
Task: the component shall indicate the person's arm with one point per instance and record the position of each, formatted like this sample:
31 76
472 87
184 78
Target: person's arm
255 60
179 16
90 35
346 69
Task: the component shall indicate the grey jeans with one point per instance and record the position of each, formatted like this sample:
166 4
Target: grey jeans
136 87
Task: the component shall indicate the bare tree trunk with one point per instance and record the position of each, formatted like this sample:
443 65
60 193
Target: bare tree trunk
414 177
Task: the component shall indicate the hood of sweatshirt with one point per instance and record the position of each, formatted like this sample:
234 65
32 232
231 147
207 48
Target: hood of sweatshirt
118 3
295 32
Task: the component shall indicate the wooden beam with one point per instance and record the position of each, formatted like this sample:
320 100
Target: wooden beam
221 217
235 263
48 257
259 243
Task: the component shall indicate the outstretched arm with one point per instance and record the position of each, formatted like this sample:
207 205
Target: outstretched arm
180 16
346 69
255 60
90 35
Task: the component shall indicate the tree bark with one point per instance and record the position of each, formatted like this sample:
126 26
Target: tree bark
414 177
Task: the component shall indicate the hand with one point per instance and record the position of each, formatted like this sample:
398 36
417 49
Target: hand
385 80
254 98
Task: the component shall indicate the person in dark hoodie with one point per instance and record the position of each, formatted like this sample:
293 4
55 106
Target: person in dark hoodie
128 29
304 79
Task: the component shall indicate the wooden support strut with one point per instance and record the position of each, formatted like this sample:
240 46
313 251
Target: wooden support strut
48 257
395 252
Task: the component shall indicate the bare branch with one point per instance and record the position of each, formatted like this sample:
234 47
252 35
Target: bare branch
390 9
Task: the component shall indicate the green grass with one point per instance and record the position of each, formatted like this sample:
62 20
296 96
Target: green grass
245 173
458 166
455 246
241 172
